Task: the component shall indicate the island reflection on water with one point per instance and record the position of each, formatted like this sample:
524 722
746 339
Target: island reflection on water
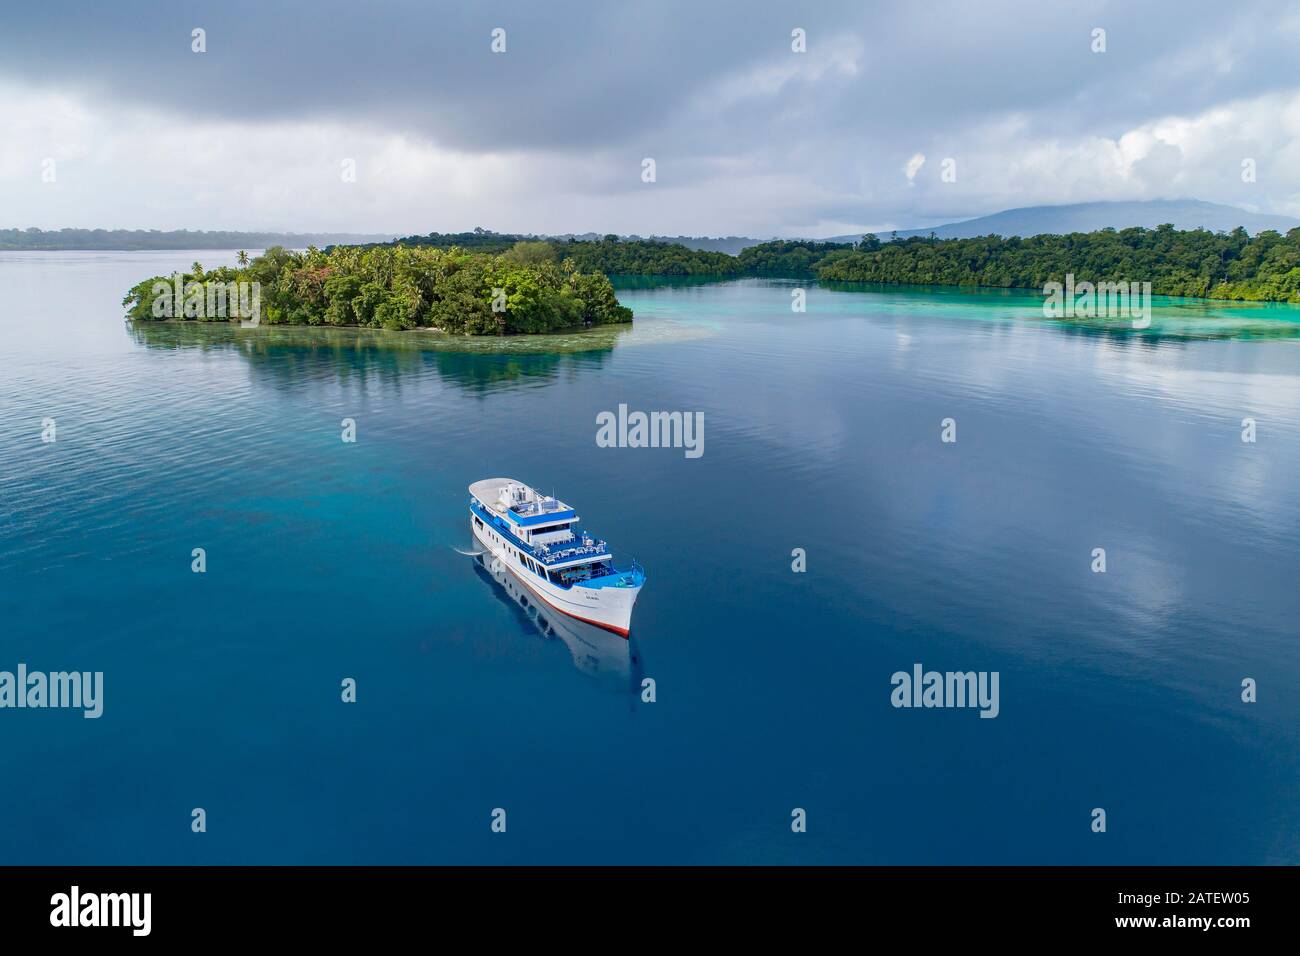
475 363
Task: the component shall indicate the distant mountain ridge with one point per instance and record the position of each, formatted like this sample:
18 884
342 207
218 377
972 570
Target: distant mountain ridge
140 240
1025 221
1091 216
1036 221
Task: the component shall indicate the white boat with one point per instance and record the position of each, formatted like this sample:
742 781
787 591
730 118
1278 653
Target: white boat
538 540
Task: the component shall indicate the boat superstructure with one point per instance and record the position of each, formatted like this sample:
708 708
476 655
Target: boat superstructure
538 539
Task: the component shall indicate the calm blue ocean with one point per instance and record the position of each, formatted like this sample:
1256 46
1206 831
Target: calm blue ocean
328 560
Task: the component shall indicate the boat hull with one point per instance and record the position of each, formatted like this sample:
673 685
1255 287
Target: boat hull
609 607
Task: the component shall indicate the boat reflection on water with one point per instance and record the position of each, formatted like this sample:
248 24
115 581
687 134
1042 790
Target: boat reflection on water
601 654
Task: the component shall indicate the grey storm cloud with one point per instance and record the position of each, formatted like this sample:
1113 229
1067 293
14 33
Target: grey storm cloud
703 86
578 74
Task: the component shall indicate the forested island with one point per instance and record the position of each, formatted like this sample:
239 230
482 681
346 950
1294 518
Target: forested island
1177 262
1193 262
1200 263
613 255
489 241
522 290
486 283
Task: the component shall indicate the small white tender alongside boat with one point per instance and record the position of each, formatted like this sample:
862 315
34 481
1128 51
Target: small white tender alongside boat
539 541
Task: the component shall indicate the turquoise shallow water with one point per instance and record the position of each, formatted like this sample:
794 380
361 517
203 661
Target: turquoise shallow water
329 560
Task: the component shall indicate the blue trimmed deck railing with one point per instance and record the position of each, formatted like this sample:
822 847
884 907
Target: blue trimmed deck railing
547 554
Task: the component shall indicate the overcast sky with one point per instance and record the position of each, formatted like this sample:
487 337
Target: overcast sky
748 136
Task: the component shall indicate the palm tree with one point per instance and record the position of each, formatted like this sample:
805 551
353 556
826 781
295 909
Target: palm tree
242 258
197 270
